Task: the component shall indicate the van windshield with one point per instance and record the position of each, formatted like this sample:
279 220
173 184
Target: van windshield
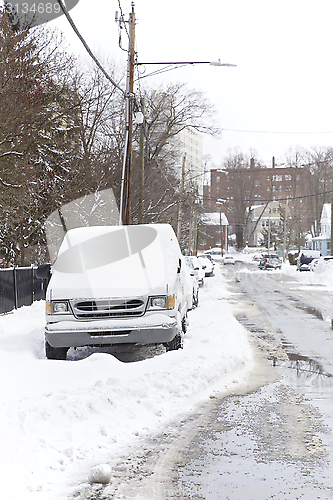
129 256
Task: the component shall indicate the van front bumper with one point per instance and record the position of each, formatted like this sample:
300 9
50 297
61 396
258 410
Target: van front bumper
154 329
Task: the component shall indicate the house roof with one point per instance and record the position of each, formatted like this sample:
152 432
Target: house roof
213 219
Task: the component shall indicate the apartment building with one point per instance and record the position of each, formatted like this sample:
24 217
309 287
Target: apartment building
189 146
237 190
258 184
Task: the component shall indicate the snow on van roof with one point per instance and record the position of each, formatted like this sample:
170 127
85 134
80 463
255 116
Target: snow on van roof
140 257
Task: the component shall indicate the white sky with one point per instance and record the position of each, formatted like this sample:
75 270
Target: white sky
283 79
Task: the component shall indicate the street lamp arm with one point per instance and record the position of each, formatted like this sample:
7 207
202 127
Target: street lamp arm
212 63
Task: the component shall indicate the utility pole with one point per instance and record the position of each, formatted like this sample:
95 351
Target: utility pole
142 167
196 232
125 195
285 232
190 236
221 235
299 226
180 208
331 252
269 229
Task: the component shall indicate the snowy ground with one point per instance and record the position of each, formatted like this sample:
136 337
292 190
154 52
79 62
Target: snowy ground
59 419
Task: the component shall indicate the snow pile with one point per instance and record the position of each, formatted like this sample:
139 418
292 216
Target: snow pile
61 419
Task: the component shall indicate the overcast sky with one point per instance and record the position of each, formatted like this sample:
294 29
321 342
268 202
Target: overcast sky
283 51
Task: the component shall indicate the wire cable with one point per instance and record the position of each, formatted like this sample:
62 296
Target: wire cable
270 131
71 22
268 200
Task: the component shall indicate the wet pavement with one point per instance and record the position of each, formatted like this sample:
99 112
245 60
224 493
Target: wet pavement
274 440
273 443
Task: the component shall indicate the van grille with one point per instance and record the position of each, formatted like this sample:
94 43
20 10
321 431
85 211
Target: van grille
108 308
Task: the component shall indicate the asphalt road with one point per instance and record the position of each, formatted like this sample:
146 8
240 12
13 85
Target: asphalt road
274 440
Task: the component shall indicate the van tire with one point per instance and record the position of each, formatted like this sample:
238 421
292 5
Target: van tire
184 324
55 352
196 298
174 344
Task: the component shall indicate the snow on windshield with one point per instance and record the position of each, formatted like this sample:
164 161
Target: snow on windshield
130 257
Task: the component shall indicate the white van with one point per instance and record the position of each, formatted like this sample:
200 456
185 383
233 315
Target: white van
116 284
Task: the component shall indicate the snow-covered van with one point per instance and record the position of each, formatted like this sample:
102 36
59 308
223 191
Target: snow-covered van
116 284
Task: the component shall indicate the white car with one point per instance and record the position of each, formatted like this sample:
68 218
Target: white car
322 264
214 252
207 265
197 268
228 259
192 284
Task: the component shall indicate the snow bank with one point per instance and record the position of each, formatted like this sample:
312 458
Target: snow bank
59 419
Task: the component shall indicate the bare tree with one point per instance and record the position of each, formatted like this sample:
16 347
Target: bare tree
168 110
241 171
319 162
36 131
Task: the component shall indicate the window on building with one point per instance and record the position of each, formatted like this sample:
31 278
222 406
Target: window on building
287 177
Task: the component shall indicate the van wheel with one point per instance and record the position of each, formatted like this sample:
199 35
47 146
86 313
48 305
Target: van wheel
55 352
184 324
174 344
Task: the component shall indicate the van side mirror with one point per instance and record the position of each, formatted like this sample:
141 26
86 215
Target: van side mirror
179 266
43 271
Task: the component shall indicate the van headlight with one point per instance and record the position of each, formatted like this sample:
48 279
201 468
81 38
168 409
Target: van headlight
57 307
159 302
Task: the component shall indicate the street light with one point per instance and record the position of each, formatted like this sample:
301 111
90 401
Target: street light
212 63
125 198
168 66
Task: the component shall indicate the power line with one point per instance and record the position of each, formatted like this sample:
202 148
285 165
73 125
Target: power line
268 200
122 19
270 131
71 22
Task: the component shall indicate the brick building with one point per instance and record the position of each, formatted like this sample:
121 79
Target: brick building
213 231
241 189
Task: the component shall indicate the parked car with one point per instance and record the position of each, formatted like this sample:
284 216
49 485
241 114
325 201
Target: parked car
113 285
197 268
214 252
206 264
228 259
192 284
304 259
322 264
269 261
